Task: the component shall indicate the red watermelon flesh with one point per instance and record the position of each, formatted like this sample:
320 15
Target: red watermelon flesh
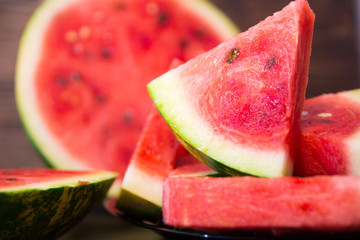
329 135
237 107
11 178
313 203
96 59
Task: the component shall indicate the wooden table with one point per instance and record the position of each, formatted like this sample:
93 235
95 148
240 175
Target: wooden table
333 67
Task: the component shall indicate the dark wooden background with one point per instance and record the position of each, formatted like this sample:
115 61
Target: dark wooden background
333 67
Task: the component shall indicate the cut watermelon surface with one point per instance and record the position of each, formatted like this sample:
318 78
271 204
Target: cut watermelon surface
237 107
44 203
330 135
315 203
83 66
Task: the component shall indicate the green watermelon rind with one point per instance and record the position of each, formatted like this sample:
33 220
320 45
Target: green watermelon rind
47 210
135 205
166 91
145 203
46 144
222 169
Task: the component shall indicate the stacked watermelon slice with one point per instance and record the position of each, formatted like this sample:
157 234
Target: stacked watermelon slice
230 127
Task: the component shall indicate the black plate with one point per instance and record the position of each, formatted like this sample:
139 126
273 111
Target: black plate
177 233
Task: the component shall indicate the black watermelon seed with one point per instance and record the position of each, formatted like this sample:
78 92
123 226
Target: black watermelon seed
61 81
232 55
100 98
128 116
75 76
325 121
200 34
119 6
163 18
184 43
11 179
270 63
106 53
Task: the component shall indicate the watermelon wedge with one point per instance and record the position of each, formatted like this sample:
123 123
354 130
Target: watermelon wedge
83 66
330 135
320 203
153 160
156 156
237 107
44 203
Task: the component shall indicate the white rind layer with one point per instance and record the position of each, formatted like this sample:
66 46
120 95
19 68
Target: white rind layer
28 57
170 96
134 182
352 143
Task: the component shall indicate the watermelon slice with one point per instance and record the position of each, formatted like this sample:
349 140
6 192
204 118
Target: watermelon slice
330 135
318 203
156 156
153 160
44 203
237 107
83 66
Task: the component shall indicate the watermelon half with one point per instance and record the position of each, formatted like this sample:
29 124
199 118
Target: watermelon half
83 66
237 107
44 203
330 135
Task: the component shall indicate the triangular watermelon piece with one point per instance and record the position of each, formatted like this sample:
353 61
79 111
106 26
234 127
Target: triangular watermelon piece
237 107
151 163
329 143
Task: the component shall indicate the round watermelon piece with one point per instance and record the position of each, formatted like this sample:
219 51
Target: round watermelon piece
83 66
237 107
330 135
45 203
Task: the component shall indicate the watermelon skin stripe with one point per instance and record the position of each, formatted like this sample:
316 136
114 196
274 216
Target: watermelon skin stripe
48 213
